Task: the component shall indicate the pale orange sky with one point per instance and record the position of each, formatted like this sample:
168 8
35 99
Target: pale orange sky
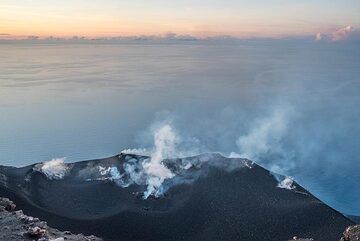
272 18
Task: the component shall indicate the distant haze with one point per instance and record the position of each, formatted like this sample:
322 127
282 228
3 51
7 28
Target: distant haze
200 18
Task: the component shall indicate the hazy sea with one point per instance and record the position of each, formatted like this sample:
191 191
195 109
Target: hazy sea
290 105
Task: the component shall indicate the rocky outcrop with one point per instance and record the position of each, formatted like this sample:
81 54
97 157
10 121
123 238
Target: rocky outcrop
16 226
7 204
351 234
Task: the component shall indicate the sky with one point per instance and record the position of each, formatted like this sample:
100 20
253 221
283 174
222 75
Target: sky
203 18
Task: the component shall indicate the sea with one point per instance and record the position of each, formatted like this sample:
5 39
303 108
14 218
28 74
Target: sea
290 105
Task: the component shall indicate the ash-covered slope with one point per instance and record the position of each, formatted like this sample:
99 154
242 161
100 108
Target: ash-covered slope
207 197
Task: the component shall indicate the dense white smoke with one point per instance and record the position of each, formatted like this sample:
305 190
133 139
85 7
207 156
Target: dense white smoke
54 169
140 151
103 170
165 141
287 183
152 172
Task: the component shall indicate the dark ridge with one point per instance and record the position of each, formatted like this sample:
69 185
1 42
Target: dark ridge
355 219
223 199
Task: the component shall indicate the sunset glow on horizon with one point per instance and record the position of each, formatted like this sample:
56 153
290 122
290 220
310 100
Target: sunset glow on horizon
275 18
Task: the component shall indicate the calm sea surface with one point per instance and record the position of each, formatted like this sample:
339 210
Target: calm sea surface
85 101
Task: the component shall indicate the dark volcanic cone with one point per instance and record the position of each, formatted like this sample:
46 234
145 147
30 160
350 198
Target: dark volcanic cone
214 198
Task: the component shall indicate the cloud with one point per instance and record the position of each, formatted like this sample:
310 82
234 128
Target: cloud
33 37
343 34
318 37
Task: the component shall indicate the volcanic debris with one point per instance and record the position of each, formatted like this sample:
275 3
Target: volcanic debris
17 226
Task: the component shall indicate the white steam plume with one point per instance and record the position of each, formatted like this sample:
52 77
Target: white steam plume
140 151
287 183
54 169
165 141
